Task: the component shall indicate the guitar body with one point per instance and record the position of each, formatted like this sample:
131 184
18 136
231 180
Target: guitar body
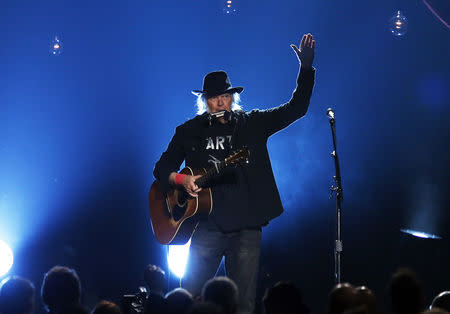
175 217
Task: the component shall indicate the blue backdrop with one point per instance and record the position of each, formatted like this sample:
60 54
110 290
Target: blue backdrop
80 132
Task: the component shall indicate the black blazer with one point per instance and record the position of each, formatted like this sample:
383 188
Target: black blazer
252 129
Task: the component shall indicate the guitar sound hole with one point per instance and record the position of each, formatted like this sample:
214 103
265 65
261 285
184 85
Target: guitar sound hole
182 197
179 209
178 212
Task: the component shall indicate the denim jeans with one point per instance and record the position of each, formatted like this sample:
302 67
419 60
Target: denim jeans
241 250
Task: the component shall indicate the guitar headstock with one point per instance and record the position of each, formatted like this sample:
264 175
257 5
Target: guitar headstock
239 157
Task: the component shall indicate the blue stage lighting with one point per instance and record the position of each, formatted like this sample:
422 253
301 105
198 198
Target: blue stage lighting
420 234
6 258
177 258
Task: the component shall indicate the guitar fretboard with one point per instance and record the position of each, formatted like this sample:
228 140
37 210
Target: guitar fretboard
210 174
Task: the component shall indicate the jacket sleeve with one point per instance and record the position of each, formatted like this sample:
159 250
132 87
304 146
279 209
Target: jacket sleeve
170 160
275 119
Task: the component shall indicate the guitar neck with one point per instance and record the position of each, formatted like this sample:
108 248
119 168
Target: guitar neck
210 174
238 157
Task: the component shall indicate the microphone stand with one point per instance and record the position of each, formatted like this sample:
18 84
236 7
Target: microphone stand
336 188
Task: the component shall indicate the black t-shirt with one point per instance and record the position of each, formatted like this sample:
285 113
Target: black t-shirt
229 186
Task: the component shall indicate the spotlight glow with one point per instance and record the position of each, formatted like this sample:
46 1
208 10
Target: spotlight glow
420 234
177 258
6 258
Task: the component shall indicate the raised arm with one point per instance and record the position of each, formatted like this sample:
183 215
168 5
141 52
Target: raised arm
275 119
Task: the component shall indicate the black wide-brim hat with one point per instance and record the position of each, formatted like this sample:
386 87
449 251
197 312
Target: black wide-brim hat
217 83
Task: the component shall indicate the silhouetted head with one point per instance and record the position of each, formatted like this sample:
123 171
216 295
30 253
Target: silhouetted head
284 298
179 301
154 278
61 289
367 298
436 310
342 298
16 296
74 309
206 308
106 307
223 292
442 301
406 292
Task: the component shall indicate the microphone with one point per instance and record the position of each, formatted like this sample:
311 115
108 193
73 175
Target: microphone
330 113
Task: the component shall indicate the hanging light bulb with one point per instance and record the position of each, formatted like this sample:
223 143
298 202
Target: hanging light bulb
398 24
56 46
229 7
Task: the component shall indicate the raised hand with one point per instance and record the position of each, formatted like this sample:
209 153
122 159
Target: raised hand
305 51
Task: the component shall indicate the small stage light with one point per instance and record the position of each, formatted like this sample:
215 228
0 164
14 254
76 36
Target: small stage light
56 46
177 258
229 7
6 258
398 24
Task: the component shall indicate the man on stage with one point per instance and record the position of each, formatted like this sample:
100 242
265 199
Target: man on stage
245 197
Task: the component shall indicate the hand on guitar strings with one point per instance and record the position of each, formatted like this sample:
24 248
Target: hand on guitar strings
188 183
190 186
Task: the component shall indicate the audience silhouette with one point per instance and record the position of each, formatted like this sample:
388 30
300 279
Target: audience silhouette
61 294
406 292
442 301
17 296
155 281
342 298
223 292
284 298
106 307
179 301
61 290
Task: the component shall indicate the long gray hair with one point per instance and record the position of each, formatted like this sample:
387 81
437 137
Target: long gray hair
202 105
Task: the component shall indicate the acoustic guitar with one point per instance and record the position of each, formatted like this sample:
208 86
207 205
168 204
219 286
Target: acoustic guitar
175 216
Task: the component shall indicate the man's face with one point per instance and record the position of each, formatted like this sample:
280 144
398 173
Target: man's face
219 103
